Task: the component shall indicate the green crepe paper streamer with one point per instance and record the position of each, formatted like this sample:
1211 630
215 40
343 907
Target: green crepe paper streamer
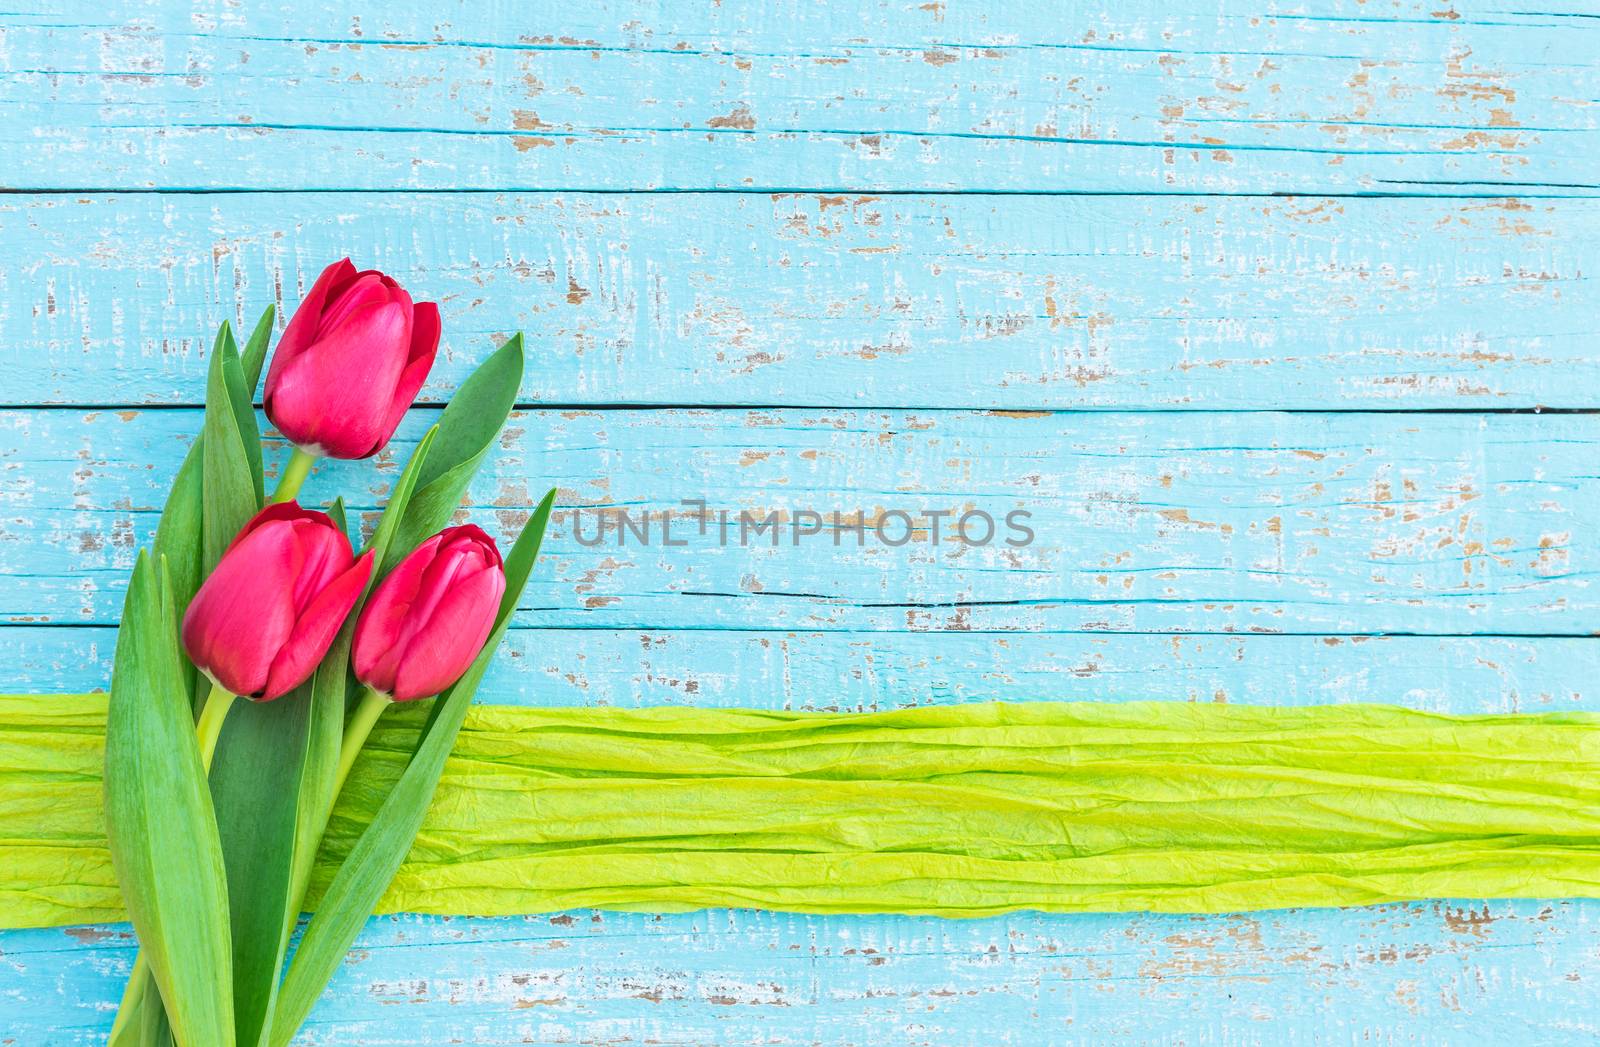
962 810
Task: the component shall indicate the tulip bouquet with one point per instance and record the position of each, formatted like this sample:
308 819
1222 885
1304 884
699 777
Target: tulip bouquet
215 807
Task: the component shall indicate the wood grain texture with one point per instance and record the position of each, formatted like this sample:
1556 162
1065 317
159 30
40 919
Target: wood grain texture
895 301
868 672
1437 972
1191 97
1293 523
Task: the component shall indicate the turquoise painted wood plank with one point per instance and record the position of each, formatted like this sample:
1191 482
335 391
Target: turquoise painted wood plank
1438 972
1014 302
875 671
1297 523
698 25
1202 99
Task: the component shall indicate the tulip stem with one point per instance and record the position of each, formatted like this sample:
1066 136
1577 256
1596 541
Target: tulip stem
295 471
371 707
356 731
218 702
211 716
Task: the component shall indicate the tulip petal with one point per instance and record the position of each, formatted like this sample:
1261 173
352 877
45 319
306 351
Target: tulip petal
453 561
439 652
425 328
461 551
302 328
479 537
244 612
290 510
313 634
396 292
382 619
327 555
421 628
335 397
369 288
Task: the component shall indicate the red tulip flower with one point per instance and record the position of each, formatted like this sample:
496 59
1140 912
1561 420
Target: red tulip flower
430 617
350 362
268 613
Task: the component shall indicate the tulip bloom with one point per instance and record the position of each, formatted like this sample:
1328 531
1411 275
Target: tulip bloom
430 617
350 362
268 613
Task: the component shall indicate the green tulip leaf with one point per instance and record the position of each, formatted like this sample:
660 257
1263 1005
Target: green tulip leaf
371 864
160 823
400 500
180 543
272 782
467 430
254 355
336 513
332 687
154 1029
179 535
255 781
231 457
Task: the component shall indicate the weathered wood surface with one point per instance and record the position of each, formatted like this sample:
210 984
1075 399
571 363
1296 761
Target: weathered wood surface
893 301
1414 97
1297 523
789 260
1435 972
867 672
